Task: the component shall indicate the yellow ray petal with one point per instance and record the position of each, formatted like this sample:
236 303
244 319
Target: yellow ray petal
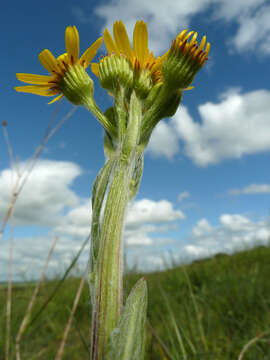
63 57
94 69
181 35
37 90
202 43
121 39
140 41
34 79
72 43
56 99
159 61
90 53
207 49
47 59
193 40
110 44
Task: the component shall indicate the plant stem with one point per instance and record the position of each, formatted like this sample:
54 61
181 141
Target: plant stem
118 180
108 280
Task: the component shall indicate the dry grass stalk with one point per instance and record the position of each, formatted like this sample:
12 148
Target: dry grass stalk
32 300
250 343
74 307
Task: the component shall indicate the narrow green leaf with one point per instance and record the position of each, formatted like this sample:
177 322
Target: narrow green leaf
127 341
98 193
136 176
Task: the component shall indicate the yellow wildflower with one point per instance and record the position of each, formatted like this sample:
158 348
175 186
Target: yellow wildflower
139 56
53 84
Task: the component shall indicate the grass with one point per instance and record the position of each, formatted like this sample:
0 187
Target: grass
207 310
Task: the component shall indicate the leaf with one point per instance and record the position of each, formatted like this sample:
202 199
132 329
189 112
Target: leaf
98 194
127 341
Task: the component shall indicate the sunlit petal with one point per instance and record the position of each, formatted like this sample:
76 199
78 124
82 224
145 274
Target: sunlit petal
121 39
47 59
56 99
72 43
34 79
140 41
94 68
90 53
37 90
110 44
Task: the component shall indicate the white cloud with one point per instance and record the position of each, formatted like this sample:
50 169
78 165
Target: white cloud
235 222
202 227
183 195
227 128
234 232
47 200
77 221
253 19
45 194
148 211
163 141
30 254
251 189
230 9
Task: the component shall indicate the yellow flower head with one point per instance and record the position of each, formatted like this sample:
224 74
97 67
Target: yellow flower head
185 58
60 68
139 56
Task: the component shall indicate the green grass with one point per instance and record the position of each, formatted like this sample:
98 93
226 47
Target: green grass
207 310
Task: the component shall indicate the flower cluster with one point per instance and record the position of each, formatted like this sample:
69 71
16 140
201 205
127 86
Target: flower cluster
67 71
133 67
157 82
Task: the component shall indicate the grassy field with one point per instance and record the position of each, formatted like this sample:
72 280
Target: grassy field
207 310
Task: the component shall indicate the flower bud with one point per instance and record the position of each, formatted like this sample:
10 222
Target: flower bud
76 85
143 81
113 70
184 60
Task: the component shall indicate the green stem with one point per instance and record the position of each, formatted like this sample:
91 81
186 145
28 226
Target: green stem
121 112
108 283
90 104
119 180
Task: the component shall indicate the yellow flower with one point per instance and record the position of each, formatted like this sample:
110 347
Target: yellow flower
185 58
195 51
53 84
139 56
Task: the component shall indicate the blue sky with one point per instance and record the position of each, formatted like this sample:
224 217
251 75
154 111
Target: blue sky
206 182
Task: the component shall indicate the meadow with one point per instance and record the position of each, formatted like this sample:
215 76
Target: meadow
217 308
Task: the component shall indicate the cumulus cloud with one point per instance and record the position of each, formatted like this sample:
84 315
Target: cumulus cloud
30 253
234 232
251 189
227 128
47 201
253 20
202 227
149 211
77 221
45 194
163 141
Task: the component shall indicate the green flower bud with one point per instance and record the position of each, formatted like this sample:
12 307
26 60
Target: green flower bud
184 60
76 85
114 70
143 81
